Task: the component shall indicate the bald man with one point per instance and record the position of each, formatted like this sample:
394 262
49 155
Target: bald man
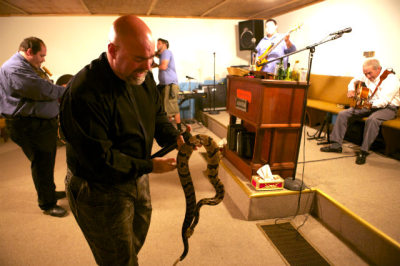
110 114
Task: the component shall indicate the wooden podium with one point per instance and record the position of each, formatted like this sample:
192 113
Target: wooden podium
273 110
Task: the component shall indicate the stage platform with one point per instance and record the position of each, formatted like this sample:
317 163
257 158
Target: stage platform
366 240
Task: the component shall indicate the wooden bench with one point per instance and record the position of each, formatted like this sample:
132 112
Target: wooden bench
327 94
3 130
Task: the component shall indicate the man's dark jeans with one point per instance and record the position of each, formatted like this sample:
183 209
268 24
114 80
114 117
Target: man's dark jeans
38 139
114 218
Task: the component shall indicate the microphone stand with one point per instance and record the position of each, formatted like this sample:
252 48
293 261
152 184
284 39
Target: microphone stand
310 57
295 184
214 112
189 120
253 55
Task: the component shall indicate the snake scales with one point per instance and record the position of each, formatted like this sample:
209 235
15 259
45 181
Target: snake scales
192 214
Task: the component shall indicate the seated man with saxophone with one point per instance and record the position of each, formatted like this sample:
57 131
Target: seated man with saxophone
29 102
273 45
381 104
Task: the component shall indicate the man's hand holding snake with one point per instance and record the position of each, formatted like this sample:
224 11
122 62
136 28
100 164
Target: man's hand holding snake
161 164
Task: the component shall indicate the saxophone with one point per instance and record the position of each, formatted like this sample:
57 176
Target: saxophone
43 72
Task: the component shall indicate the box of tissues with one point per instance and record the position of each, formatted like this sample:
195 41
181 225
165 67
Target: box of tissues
265 180
262 184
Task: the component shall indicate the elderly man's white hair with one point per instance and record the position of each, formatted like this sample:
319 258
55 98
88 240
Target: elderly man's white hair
372 62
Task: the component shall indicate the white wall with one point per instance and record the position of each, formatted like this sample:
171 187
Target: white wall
74 41
194 42
375 25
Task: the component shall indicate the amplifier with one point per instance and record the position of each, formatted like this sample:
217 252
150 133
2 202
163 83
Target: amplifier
217 100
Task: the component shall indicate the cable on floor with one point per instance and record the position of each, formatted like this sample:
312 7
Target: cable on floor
300 191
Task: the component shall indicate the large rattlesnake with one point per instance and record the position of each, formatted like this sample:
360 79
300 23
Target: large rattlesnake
192 214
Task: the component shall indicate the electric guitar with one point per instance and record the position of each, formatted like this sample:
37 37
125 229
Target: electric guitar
262 59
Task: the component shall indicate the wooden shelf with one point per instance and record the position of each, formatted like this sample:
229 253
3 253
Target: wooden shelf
272 109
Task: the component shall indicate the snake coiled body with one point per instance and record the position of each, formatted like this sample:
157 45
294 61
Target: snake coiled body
192 214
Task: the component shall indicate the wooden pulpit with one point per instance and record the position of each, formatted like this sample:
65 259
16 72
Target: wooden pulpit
273 110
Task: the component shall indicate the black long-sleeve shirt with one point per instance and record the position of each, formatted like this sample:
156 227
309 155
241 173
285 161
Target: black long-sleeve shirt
110 125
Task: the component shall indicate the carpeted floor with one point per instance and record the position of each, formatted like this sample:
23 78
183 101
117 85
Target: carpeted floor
222 237
369 190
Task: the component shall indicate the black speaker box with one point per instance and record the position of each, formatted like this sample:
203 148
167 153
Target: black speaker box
232 135
248 30
245 144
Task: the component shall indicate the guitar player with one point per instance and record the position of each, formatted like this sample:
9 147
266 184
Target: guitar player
382 104
271 39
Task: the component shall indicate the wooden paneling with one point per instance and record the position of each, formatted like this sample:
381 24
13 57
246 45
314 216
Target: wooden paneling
274 112
238 9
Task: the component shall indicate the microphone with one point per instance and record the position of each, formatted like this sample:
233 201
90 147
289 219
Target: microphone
189 77
346 30
253 43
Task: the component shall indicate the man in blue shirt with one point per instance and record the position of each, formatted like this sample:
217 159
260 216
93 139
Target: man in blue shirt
272 38
168 79
29 102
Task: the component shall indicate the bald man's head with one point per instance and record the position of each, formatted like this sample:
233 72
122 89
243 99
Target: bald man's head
127 28
131 49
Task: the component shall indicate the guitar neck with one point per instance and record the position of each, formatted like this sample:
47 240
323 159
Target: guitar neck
262 59
276 44
270 49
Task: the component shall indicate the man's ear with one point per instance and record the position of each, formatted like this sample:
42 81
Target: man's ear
112 49
29 52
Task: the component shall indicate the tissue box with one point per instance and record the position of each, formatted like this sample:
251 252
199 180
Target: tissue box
261 184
